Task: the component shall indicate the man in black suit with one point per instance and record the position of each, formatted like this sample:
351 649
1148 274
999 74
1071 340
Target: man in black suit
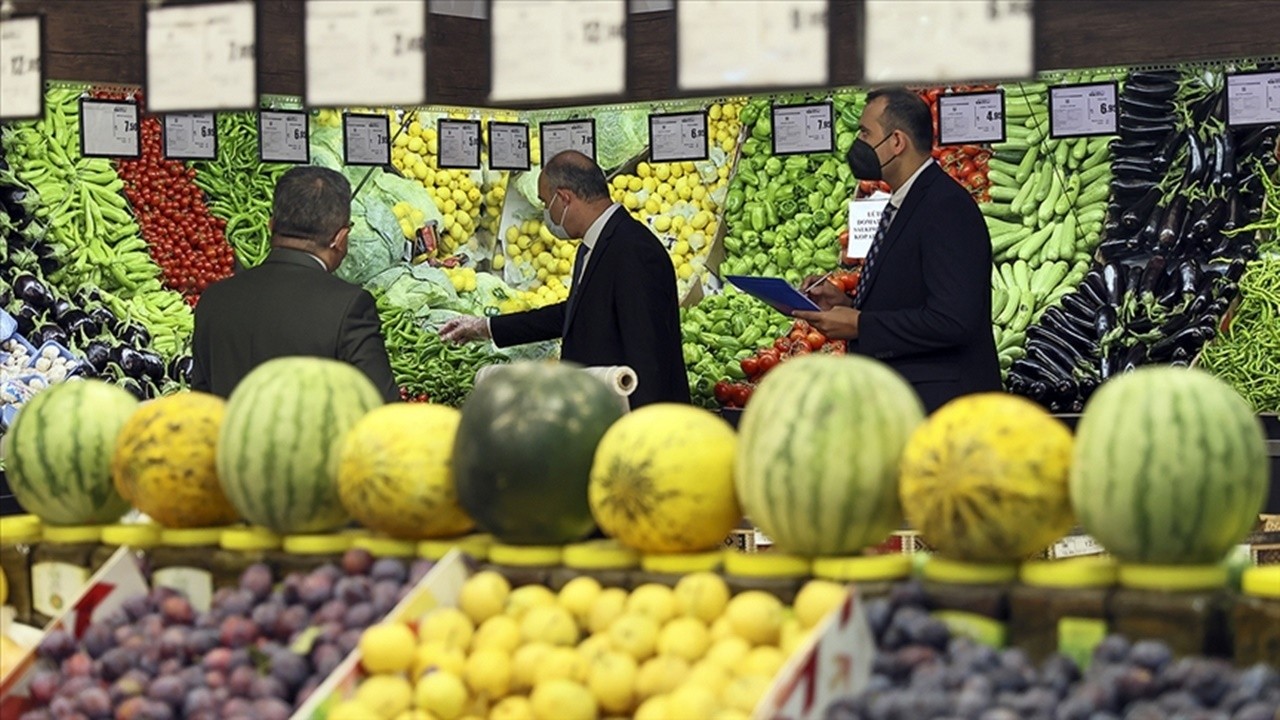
291 304
622 307
923 303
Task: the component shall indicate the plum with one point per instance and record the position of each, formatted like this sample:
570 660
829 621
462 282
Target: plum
357 561
257 580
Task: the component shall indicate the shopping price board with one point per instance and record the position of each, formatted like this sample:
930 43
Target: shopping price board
459 142
22 67
555 49
282 136
971 118
921 42
509 146
201 57
803 129
366 139
365 53
789 41
560 135
191 136
1253 98
1083 110
676 137
109 129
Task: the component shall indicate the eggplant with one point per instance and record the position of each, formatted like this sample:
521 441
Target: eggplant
33 292
98 354
1145 107
1195 158
1168 150
1094 288
1109 364
1060 364
46 258
133 387
1153 91
180 368
105 319
1156 131
1210 220
1151 276
1151 228
1131 187
1104 321
1188 277
134 335
1066 338
61 307
1235 215
1254 139
1135 168
1171 223
1228 159
27 317
152 365
1075 304
78 323
1189 338
50 333
1152 77
1133 216
1132 280
129 360
1133 358
1055 318
6 296
1132 148
1141 325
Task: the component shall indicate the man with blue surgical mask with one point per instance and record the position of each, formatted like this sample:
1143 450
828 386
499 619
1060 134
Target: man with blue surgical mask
622 308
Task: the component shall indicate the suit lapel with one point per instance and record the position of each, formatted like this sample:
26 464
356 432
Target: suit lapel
900 221
597 255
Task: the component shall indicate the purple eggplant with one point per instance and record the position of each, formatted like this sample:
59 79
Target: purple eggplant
28 317
98 355
180 368
134 335
1171 223
50 333
33 292
78 323
152 365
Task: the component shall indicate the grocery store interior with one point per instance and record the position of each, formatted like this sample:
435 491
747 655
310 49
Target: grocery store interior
658 369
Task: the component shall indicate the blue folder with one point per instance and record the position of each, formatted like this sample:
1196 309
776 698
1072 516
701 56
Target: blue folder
776 292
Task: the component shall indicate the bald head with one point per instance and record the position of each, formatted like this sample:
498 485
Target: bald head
577 173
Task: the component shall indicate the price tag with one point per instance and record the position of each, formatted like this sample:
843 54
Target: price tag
803 129
21 68
366 139
678 136
556 49
864 221
202 57
971 118
556 137
109 129
459 142
1253 98
282 136
191 137
1083 110
789 44
366 52
508 146
947 40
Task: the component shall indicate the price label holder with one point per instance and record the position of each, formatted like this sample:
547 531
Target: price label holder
1083 110
366 139
803 129
509 146
459 142
560 135
677 137
789 41
365 52
109 129
201 57
971 118
921 41
556 50
22 46
1253 98
282 136
864 221
190 137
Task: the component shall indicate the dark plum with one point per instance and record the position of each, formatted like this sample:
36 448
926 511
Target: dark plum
57 646
201 641
240 681
878 613
315 590
326 658
999 713
238 631
1150 654
329 570
267 615
330 611
291 587
1112 649
114 663
385 596
290 669
389 569
158 595
97 639
293 620
177 610
360 616
136 607
77 665
1136 683
257 580
237 706
349 640
267 687
199 700
357 561
352 590
1257 710
217 659
168 689
1145 710
307 688
173 642
271 708
44 685
239 603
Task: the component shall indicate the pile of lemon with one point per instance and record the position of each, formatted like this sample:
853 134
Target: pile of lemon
587 652
409 217
415 153
529 244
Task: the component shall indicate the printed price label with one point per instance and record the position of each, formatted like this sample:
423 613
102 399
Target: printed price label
788 39
459 142
21 68
864 220
678 137
366 52
1083 110
108 129
282 135
366 139
509 146
191 137
803 129
555 49
1253 98
918 41
202 57
556 137
965 118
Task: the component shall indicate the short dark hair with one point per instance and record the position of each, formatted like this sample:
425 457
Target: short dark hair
908 112
578 174
311 203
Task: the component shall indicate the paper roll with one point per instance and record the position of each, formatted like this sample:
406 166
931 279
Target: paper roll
620 379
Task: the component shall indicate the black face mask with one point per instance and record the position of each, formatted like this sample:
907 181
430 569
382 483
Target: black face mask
863 161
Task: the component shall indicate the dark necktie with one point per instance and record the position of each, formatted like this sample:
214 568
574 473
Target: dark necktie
867 267
579 261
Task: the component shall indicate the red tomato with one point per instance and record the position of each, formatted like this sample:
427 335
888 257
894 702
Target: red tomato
750 366
723 392
815 340
780 345
741 394
769 358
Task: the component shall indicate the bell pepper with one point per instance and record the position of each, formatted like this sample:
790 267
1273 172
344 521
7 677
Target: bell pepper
821 218
844 171
733 201
770 213
797 163
692 353
844 141
722 327
749 113
808 183
787 207
750 147
829 168
850 116
738 325
769 238
751 335
772 167
815 201
826 258
790 231
762 129
759 216
761 259
826 187
832 203
805 222
750 238
733 371
825 238
782 256
801 258
732 244
748 176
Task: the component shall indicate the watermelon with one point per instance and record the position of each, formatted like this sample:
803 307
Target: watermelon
58 452
522 457
818 449
280 439
1170 467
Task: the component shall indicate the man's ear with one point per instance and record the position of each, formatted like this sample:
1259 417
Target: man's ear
340 240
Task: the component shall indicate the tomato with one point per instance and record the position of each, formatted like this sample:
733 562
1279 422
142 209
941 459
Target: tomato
769 358
801 325
815 340
740 394
800 349
967 168
723 392
780 345
750 366
850 282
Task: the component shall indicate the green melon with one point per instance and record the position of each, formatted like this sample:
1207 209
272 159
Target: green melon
818 452
1170 467
280 439
58 452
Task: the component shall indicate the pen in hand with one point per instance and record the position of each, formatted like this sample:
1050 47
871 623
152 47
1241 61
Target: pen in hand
816 283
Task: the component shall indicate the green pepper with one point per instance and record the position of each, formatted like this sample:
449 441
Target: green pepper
806 244
781 255
825 238
821 218
815 201
829 168
844 141
850 117
808 183
826 258
769 238
692 353
804 221
750 238
732 244
759 217
762 129
773 166
832 203
844 171
770 213
751 335
748 176
738 325
722 327
797 163
801 258
761 259
733 201
825 186
787 207
789 231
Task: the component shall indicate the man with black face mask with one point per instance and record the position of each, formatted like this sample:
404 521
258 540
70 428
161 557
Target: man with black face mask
923 303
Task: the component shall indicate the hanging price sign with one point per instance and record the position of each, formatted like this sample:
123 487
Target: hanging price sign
459 142
21 68
971 118
190 137
789 44
557 49
109 129
677 137
1083 110
366 139
803 129
556 137
923 41
282 136
1253 98
365 52
508 146
202 57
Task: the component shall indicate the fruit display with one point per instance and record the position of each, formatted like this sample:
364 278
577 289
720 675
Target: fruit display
457 194
720 333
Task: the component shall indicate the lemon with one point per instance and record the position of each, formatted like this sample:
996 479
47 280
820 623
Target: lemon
612 680
756 616
816 599
390 695
483 596
709 675
694 701
563 700
730 714
415 714
561 663
501 632
438 656
388 647
661 675
353 710
593 647
721 629
744 693
655 708
634 634
684 637
662 223
489 673
525 662
529 596
449 626
515 707
443 694
644 169
656 601
727 652
607 607
765 661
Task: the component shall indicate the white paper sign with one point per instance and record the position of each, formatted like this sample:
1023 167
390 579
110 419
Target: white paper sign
1253 98
366 139
1083 110
946 40
965 118
459 142
864 220
803 129
21 68
555 49
508 146
191 137
282 136
366 52
678 137
788 43
556 137
202 57
109 129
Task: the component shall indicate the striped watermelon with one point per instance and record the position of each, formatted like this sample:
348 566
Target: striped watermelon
1170 467
58 452
818 452
279 443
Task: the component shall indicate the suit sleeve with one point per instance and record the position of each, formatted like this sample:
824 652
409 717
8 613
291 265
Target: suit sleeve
955 256
645 296
546 323
200 349
360 343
